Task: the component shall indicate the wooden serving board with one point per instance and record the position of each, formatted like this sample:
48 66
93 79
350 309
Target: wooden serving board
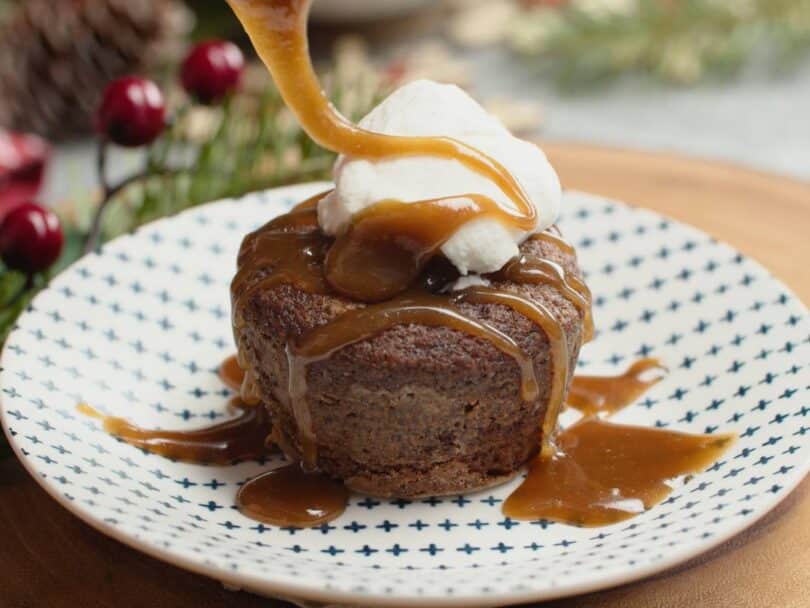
51 559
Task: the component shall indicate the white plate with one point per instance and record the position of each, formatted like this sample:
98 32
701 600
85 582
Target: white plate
140 329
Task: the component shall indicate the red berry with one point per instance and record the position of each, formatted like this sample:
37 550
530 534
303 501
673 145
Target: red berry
132 112
30 238
212 70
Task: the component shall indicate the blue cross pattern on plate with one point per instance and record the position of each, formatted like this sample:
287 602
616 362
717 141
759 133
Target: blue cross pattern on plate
139 330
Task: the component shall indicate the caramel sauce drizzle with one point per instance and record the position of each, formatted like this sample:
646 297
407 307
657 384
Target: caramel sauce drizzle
599 473
234 377
594 395
287 496
231 373
277 29
243 437
552 236
393 241
530 269
396 240
290 496
291 248
603 473
542 317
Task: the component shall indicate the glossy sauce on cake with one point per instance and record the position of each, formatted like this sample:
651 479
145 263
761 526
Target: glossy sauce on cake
243 437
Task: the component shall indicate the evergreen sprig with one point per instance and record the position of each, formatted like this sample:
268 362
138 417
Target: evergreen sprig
250 143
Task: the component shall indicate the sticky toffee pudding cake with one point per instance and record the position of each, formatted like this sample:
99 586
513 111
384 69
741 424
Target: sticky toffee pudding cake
422 407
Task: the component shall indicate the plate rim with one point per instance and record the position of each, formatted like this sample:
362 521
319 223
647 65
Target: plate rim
296 592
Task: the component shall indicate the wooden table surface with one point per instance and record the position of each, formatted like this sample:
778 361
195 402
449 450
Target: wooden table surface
49 558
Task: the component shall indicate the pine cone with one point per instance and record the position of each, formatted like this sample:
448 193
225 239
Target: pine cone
56 56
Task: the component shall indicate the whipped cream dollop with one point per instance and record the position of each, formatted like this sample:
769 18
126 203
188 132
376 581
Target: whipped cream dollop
426 108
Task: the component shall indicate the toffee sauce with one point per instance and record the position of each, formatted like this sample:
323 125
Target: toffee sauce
243 437
602 473
599 473
290 496
277 29
286 496
594 395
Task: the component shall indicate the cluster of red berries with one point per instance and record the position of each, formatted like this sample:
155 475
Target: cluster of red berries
132 113
133 110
